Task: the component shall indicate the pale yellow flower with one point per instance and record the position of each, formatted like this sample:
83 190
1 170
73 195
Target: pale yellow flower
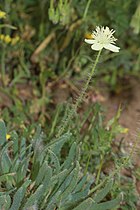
2 37
101 38
8 136
7 39
15 40
2 14
125 130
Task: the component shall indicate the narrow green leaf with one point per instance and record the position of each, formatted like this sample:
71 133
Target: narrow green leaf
74 180
23 166
85 205
5 202
5 177
55 161
19 195
5 160
72 200
34 198
101 195
71 157
59 178
81 184
2 132
22 147
14 137
47 184
57 145
106 205
42 172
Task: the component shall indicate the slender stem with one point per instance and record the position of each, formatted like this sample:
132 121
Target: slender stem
73 111
51 4
133 148
86 10
99 171
98 186
3 66
81 97
8 26
86 169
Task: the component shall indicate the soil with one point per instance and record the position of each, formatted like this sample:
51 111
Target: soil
130 118
129 100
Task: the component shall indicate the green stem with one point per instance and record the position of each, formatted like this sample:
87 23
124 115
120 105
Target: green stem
98 186
99 171
86 169
79 100
8 26
43 98
133 148
86 10
51 4
81 97
3 65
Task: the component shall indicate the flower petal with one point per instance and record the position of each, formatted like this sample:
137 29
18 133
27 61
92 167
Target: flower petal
97 46
89 41
112 47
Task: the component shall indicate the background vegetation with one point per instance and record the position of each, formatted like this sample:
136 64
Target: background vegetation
43 64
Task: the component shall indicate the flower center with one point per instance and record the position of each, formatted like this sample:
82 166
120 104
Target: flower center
104 35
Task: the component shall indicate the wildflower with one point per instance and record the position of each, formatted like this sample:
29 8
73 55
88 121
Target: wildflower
125 130
103 37
8 136
15 40
7 39
2 15
2 37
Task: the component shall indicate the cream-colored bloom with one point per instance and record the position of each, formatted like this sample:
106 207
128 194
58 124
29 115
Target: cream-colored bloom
2 15
103 37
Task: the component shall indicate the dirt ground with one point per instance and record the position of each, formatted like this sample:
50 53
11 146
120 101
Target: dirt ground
130 118
129 100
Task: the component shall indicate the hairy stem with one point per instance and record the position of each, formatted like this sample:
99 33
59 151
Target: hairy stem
75 106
